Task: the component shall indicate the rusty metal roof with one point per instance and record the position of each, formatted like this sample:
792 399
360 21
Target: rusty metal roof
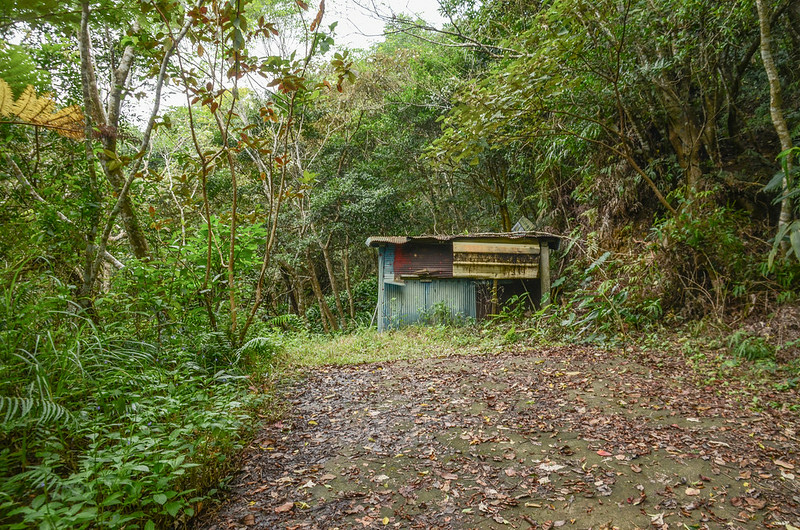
553 241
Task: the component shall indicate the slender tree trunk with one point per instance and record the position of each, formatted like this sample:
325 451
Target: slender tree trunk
298 287
90 272
334 284
347 282
505 217
127 214
776 113
223 130
302 305
290 289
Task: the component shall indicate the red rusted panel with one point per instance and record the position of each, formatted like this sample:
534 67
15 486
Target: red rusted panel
423 260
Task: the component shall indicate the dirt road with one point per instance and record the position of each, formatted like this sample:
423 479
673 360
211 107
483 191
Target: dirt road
567 437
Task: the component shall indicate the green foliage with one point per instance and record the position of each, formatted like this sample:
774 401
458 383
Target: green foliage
18 69
512 310
603 301
441 314
98 430
704 257
789 234
121 401
18 409
750 347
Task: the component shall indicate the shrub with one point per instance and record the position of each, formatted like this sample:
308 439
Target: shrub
750 347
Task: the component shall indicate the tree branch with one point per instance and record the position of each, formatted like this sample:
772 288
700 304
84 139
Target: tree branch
25 183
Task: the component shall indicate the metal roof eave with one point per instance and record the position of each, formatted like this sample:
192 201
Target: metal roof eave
553 241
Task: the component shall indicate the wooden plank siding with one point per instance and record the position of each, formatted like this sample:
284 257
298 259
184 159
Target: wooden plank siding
471 247
495 260
425 278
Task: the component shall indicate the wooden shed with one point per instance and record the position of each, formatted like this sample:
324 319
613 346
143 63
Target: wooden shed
468 276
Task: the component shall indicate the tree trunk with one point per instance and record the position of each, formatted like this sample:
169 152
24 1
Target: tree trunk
776 113
302 305
128 216
685 135
321 302
324 310
505 217
347 283
288 281
332 278
108 125
223 131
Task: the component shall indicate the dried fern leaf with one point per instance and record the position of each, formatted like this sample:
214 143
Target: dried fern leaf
32 108
40 111
6 98
68 122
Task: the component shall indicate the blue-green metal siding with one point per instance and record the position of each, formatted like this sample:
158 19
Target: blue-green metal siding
388 262
427 301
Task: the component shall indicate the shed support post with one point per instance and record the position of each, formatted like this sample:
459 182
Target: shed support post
544 272
380 311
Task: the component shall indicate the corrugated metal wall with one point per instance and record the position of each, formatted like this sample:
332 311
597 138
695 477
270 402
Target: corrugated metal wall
435 301
436 260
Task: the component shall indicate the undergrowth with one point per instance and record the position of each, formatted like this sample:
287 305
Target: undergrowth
100 431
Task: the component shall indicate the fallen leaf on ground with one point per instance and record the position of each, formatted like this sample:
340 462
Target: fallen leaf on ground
285 507
366 520
758 504
550 467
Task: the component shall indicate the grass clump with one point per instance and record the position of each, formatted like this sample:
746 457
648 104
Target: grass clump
366 345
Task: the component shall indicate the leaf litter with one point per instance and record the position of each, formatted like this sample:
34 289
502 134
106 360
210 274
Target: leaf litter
564 437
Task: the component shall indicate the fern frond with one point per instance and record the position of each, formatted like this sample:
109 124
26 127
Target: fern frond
256 345
17 408
40 111
29 107
283 321
6 98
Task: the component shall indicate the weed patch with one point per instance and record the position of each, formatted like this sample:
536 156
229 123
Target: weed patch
366 345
